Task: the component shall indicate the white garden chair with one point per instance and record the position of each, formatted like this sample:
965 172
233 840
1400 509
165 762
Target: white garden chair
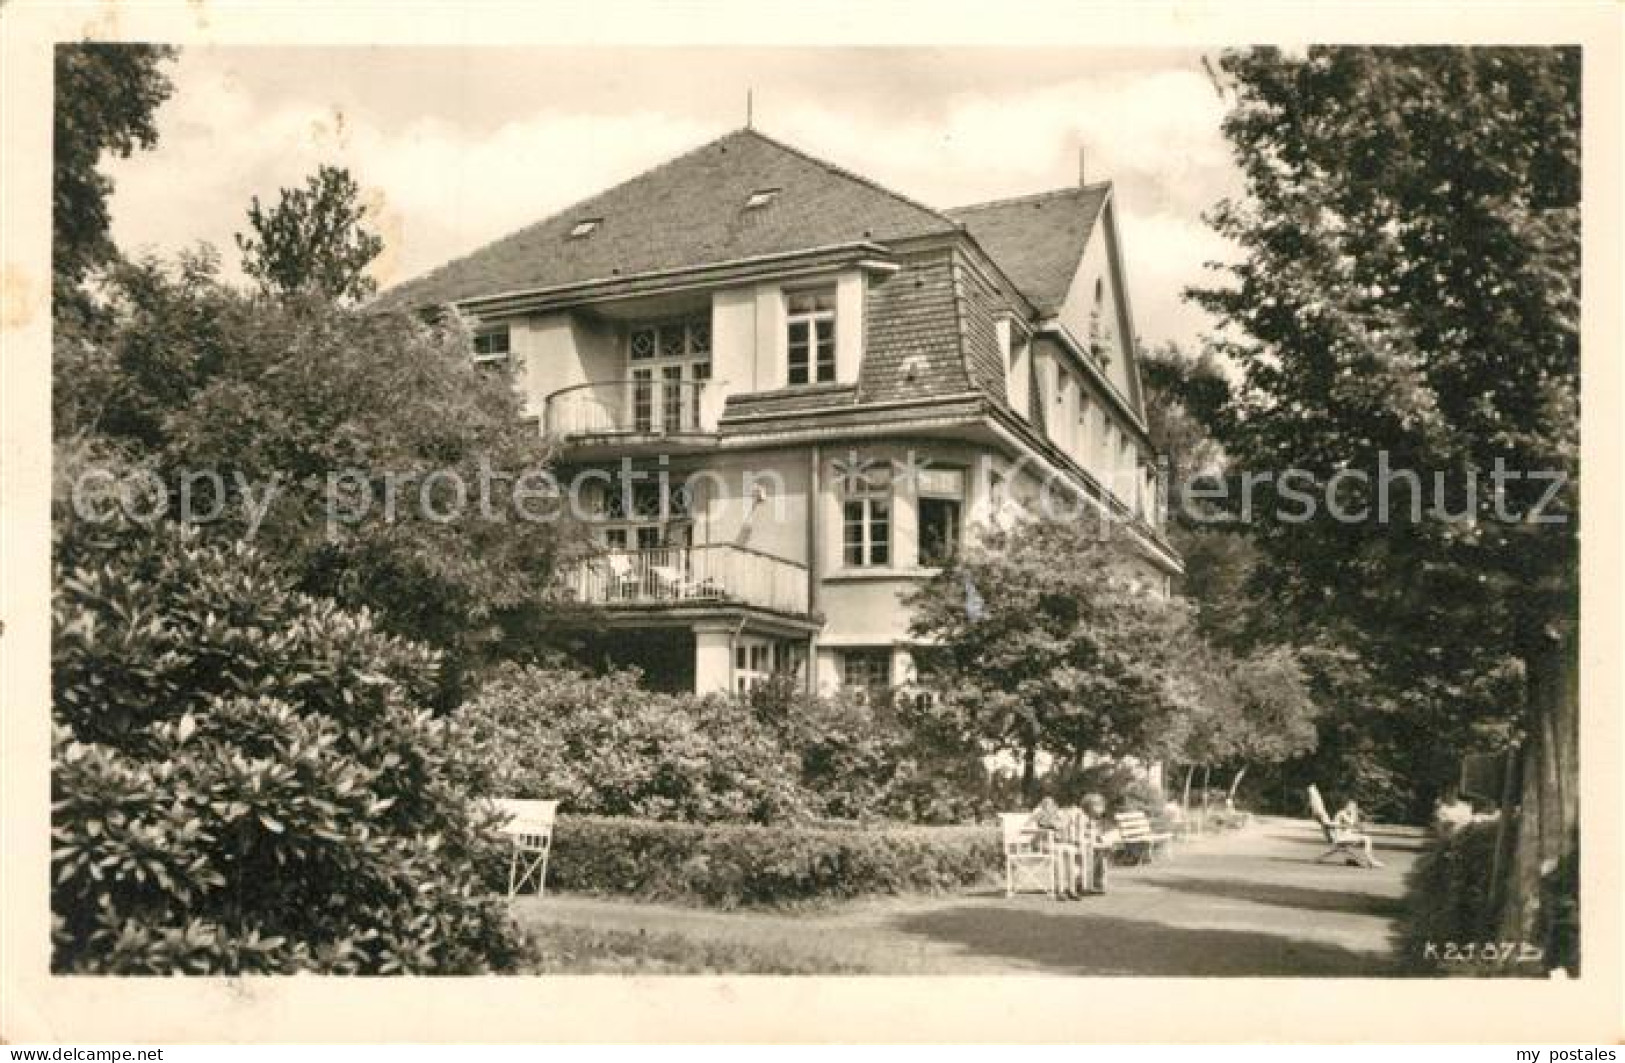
1029 867
530 826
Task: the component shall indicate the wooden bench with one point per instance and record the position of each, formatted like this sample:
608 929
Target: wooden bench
1136 836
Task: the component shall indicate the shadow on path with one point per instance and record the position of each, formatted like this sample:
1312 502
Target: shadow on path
1282 896
1115 946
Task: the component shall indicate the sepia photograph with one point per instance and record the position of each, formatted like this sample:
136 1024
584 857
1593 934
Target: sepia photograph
1058 511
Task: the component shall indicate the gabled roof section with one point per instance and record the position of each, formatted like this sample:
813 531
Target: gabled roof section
1037 240
690 211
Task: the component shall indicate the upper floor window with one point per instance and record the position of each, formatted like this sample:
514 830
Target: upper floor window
1014 351
810 336
491 345
866 516
684 338
942 504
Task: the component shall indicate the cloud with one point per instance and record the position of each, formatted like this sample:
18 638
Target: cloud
442 183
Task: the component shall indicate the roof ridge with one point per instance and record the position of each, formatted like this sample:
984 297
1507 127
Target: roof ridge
1051 194
852 176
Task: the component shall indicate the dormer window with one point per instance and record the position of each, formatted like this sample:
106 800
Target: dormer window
810 336
761 198
585 227
491 346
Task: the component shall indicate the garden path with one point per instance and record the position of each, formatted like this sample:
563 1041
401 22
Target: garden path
1249 902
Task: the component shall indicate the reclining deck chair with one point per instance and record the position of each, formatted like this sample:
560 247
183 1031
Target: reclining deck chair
1347 846
530 825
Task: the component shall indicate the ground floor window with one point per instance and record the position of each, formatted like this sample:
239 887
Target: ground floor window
867 671
757 660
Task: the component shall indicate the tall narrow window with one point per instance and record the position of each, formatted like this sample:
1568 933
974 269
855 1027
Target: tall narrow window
866 517
1086 442
671 398
942 503
643 417
810 336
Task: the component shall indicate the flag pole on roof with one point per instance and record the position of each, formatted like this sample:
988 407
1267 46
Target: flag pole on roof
750 108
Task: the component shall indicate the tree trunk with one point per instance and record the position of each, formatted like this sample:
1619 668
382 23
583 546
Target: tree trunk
1190 773
1548 814
1029 773
1235 784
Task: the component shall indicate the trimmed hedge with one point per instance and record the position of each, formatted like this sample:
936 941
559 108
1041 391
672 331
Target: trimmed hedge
1447 896
729 866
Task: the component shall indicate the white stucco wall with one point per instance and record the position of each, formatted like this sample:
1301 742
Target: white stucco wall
559 351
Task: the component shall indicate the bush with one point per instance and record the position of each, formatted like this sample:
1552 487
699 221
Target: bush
245 779
728 866
869 760
1447 895
1126 789
604 745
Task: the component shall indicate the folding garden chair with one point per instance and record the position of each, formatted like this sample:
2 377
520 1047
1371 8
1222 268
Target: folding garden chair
1029 867
530 825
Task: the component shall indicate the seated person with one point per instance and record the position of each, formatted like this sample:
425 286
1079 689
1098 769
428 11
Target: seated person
1074 841
1346 825
1050 827
1046 818
1101 840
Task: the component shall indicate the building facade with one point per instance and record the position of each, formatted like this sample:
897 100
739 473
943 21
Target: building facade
783 395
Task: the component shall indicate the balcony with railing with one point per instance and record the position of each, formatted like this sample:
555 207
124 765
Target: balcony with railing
641 407
723 574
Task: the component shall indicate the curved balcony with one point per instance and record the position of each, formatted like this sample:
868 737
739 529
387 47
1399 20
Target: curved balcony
723 573
646 408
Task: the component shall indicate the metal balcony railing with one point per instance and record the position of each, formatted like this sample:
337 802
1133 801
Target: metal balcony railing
653 406
689 575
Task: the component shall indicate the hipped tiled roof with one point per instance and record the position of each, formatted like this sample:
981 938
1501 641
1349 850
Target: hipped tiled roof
687 212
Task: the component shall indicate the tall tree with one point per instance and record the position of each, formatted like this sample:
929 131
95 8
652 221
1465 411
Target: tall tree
106 97
1044 641
1185 395
312 242
1408 298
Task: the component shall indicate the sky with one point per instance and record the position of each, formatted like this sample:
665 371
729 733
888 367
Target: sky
455 147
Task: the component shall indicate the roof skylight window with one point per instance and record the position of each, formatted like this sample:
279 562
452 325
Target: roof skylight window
585 227
761 198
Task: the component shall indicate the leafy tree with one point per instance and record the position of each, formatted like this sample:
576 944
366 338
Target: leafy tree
1043 640
312 242
1409 295
246 779
106 96
333 414
1184 398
